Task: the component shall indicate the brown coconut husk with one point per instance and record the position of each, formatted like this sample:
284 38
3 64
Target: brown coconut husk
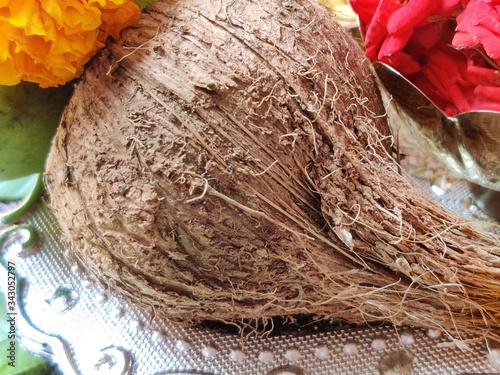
231 161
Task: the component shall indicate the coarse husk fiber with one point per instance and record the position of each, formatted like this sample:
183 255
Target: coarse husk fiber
231 161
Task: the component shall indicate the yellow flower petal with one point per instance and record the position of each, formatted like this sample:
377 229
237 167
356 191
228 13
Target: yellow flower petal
50 41
114 20
12 76
4 42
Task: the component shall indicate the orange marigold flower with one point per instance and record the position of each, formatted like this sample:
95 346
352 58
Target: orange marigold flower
50 41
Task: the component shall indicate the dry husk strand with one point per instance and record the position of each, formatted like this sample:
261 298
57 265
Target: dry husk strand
231 161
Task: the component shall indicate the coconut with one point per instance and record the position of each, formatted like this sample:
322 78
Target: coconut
231 161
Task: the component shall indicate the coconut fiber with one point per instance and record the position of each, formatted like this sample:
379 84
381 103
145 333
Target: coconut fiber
231 161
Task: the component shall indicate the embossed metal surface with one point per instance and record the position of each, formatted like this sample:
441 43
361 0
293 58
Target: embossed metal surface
75 323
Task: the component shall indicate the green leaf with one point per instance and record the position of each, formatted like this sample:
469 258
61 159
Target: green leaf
18 188
29 117
143 3
25 363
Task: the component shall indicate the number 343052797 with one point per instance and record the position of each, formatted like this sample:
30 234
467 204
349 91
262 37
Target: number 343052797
11 287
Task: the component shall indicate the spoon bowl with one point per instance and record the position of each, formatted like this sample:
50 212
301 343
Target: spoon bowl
468 143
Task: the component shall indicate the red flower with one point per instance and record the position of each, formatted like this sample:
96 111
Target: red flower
416 37
388 26
478 26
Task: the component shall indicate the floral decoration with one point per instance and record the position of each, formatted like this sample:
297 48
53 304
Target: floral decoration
450 49
50 41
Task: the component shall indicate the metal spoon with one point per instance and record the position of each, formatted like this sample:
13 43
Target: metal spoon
468 143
